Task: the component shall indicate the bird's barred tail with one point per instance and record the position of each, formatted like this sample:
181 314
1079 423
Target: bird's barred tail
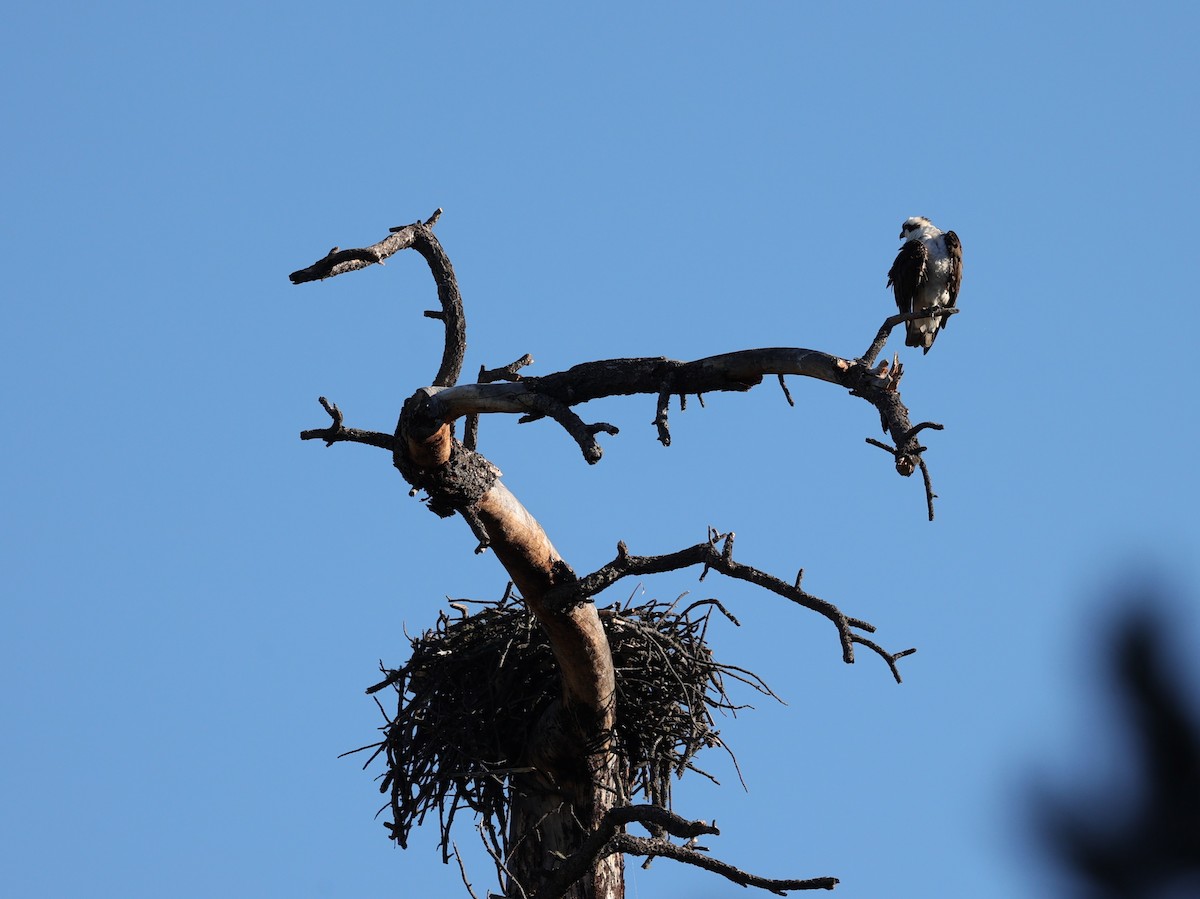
921 332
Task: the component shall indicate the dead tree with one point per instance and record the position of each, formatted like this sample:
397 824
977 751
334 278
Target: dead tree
563 792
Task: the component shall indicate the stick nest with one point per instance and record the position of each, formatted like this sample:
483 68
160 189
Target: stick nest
476 686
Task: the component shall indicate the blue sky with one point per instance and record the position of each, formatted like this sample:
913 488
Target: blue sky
195 599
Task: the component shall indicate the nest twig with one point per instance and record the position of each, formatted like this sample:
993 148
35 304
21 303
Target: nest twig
477 683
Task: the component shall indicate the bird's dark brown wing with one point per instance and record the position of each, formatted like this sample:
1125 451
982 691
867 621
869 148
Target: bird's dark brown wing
954 250
908 272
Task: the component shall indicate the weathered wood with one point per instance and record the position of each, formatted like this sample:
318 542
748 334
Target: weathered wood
576 779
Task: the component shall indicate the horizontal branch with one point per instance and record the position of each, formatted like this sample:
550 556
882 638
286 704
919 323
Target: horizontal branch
650 848
660 377
738 371
338 433
553 396
657 819
608 839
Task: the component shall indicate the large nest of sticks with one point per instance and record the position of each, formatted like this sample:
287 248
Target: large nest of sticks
478 682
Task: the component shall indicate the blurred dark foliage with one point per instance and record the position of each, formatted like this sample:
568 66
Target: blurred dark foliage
1147 844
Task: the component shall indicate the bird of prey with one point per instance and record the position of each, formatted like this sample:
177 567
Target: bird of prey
926 274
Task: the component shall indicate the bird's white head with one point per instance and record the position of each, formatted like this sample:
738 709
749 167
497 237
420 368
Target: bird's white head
917 226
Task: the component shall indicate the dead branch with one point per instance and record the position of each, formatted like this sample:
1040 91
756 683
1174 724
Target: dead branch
657 376
913 432
659 820
661 377
581 432
885 330
609 838
462 870
631 845
505 373
907 459
338 261
337 433
417 236
721 560
787 394
930 496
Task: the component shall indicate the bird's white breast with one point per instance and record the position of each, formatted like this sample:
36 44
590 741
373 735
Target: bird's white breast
936 290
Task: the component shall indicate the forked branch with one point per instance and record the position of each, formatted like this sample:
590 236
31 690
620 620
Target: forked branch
338 433
609 838
720 559
902 458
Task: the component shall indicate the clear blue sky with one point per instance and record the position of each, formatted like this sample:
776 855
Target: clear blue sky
195 600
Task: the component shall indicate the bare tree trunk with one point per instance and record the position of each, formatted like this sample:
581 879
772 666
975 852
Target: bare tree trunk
577 777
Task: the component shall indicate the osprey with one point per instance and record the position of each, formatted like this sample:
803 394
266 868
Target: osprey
927 273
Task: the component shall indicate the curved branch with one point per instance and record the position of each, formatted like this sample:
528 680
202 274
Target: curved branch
657 819
738 371
417 236
662 377
338 261
452 305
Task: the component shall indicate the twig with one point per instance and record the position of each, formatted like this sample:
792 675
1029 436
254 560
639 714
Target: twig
911 458
337 433
660 416
463 871
501 868
786 393
930 496
505 373
917 429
